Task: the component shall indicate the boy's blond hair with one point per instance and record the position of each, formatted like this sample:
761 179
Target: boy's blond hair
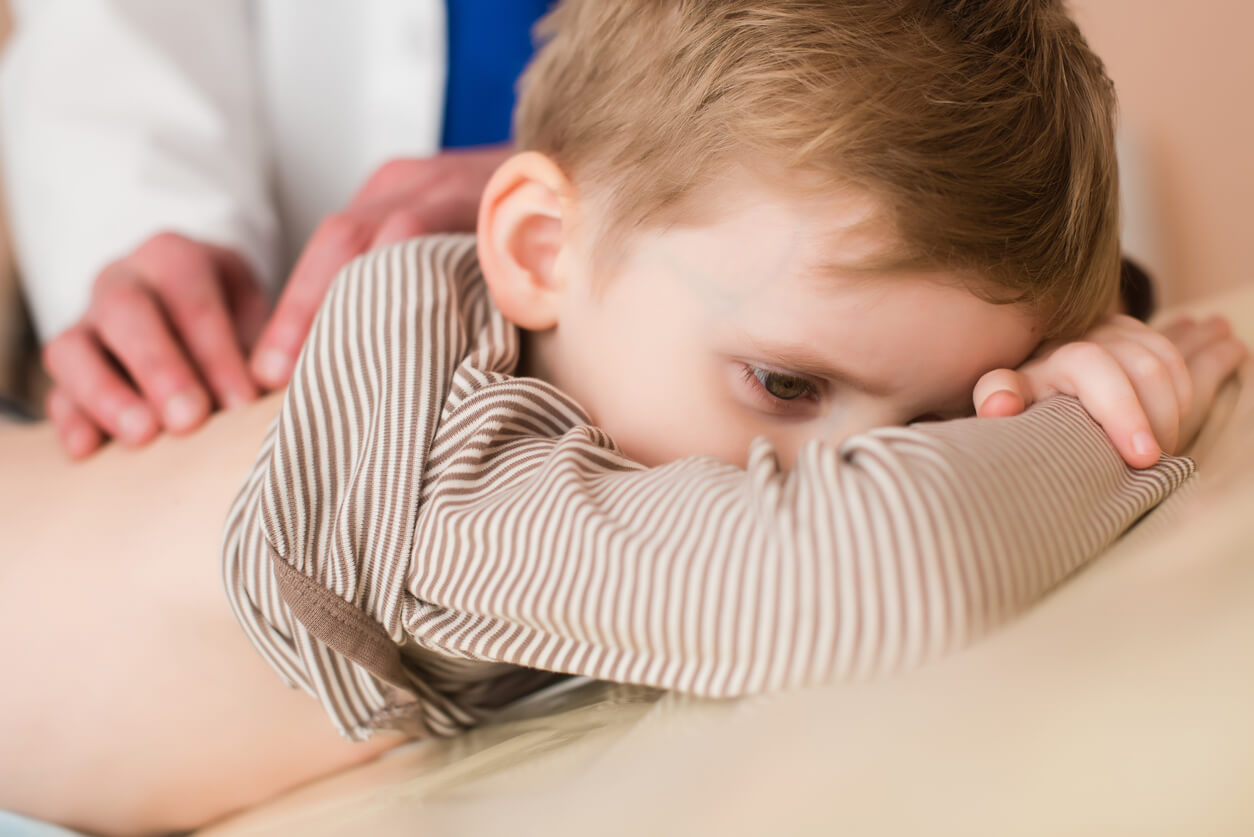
984 128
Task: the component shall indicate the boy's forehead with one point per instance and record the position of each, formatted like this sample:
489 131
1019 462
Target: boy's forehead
782 265
828 229
764 244
761 235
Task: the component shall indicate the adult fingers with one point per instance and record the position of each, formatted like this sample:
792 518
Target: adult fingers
399 226
1092 374
129 322
248 303
393 177
338 240
78 435
193 296
78 366
443 190
1155 389
1001 392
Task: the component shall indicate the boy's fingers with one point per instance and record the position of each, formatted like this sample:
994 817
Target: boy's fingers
1212 366
1177 328
1000 393
78 365
1109 397
1156 390
1199 335
133 327
78 435
1173 361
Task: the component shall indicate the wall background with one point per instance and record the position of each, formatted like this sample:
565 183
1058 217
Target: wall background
1184 70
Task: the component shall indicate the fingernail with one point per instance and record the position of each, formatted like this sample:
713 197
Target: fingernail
1143 443
993 398
183 410
273 366
135 423
79 441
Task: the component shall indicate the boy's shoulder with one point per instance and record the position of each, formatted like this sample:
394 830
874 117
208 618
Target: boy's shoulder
425 276
415 294
437 260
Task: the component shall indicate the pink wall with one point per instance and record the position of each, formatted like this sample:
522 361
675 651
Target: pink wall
1184 70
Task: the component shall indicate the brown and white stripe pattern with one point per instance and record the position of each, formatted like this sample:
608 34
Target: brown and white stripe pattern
420 524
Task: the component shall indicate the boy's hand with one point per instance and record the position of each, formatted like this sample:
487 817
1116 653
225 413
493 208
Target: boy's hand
1149 390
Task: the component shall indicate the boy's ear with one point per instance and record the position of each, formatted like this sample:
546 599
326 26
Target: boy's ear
521 217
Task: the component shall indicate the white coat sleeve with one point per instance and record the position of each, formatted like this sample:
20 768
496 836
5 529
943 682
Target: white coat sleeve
121 119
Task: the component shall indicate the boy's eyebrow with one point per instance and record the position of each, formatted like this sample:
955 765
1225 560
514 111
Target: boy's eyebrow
799 357
871 267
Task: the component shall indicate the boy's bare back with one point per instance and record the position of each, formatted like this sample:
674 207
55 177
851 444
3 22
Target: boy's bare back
145 707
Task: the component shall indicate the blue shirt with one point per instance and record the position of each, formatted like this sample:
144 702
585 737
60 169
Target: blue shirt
489 43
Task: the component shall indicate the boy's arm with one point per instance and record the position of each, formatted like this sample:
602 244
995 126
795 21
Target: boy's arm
702 577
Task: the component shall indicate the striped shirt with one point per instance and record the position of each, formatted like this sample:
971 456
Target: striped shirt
426 537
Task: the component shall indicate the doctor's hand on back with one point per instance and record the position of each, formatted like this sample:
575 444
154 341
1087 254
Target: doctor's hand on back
157 208
180 327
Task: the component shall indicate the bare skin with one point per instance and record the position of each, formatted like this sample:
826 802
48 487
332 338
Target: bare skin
146 583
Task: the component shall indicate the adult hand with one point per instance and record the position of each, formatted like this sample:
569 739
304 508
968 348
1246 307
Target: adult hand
163 341
402 199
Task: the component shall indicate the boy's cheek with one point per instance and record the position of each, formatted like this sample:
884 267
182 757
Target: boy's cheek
659 425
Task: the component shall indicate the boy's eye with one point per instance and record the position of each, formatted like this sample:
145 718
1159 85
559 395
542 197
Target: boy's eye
781 385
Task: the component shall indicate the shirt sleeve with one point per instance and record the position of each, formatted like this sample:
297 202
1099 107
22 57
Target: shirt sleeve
449 509
121 119
898 546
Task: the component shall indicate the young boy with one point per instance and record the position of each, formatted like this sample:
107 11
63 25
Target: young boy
739 234
627 431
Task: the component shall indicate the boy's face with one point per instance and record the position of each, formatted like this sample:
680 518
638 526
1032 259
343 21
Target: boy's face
746 325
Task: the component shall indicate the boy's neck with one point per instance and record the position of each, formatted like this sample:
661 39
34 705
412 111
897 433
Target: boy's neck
533 361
